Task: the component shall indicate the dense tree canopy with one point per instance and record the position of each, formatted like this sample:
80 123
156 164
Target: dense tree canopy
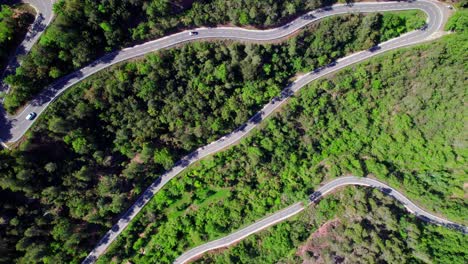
85 30
397 117
14 22
99 145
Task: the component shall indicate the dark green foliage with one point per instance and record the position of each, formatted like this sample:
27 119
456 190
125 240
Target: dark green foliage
13 26
398 117
374 119
354 226
104 141
85 30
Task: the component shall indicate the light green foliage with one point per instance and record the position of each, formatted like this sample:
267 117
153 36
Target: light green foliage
397 117
163 157
459 21
361 220
178 100
105 26
6 24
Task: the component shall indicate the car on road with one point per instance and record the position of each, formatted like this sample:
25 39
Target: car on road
31 116
450 7
193 33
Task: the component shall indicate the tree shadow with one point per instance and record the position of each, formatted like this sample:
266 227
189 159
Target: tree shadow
51 92
350 2
287 92
56 88
37 27
374 48
257 118
89 260
332 64
308 17
5 126
326 8
386 191
241 128
315 197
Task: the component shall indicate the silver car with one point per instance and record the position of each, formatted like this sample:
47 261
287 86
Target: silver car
31 116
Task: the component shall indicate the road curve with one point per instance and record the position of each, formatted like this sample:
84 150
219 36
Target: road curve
12 128
44 15
437 14
315 197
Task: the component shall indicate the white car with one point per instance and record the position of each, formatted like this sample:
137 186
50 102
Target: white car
31 116
193 33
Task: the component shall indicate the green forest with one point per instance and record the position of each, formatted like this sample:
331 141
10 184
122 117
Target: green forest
84 30
100 144
14 22
396 117
355 225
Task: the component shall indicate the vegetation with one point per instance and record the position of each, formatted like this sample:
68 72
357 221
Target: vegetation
397 117
459 21
352 226
101 143
85 30
14 23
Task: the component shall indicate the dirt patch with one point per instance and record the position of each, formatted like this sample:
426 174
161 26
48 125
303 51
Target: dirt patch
325 228
314 245
137 159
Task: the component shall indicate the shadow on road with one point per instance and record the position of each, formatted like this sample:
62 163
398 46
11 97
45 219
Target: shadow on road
374 48
308 17
287 92
58 86
9 2
386 191
456 227
89 260
350 3
257 118
315 196
326 8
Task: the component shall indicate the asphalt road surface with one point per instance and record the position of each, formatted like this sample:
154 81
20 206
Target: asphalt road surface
437 15
315 197
44 16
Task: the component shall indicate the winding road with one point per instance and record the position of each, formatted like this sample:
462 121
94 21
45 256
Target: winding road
315 197
437 15
12 128
43 18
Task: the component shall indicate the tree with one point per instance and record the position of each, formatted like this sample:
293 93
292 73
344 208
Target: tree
163 157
